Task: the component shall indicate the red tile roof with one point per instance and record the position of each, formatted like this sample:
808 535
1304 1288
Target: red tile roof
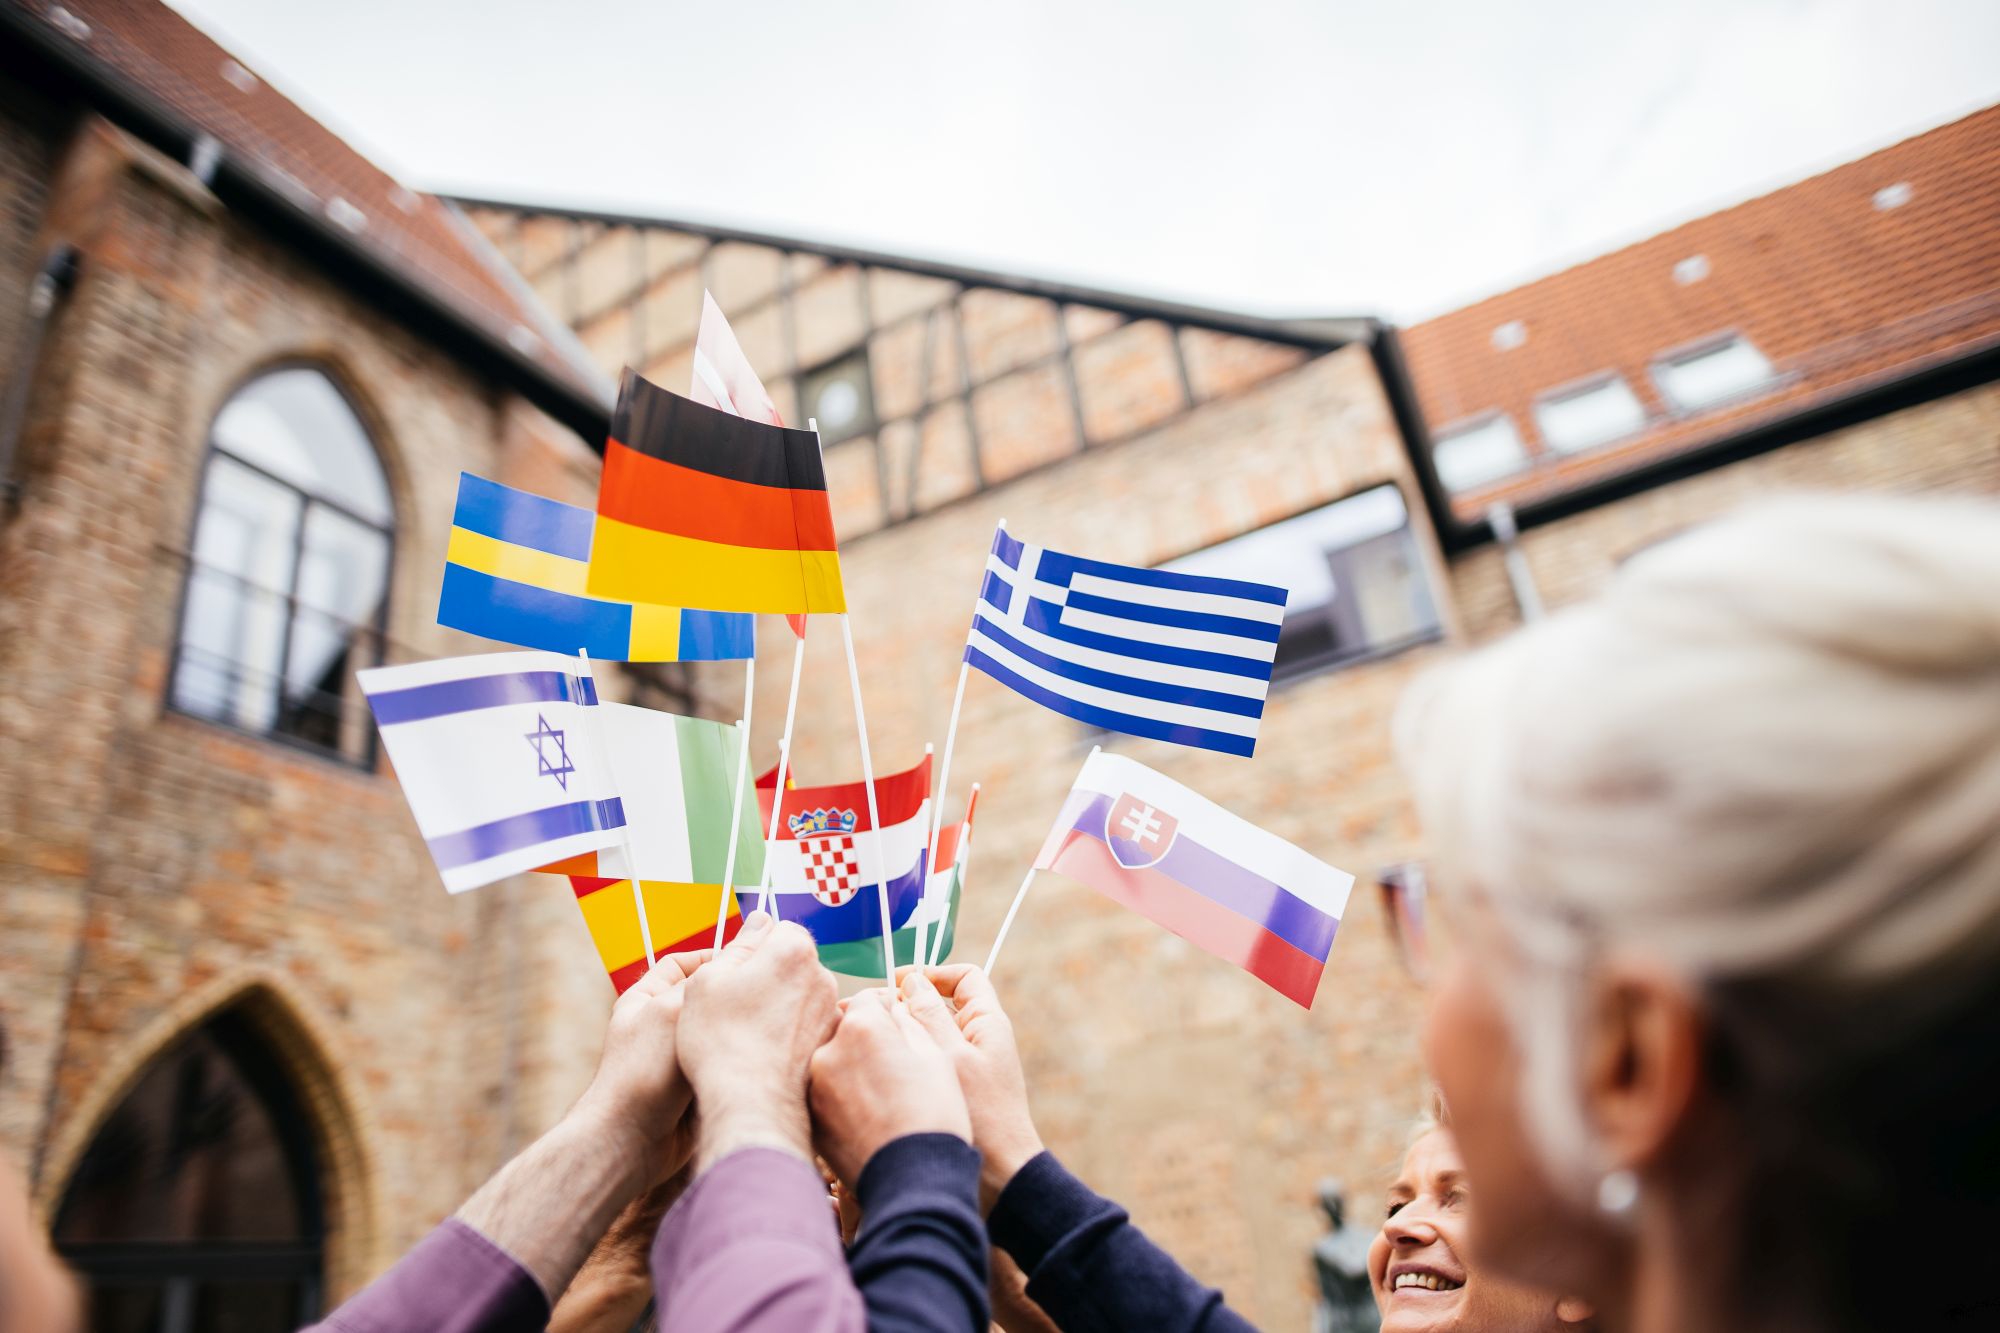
164 56
1836 292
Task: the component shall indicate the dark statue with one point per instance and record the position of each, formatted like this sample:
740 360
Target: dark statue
1340 1260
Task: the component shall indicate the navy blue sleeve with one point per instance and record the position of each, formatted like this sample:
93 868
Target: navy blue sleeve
1089 1268
920 1256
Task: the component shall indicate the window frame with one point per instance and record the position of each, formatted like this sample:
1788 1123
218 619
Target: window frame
1324 663
1689 351
1465 426
367 756
871 423
1577 388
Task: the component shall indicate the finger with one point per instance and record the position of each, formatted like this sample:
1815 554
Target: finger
930 1011
914 1033
750 939
968 986
674 968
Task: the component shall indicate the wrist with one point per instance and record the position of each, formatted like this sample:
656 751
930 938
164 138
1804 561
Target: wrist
600 1118
1001 1160
732 1123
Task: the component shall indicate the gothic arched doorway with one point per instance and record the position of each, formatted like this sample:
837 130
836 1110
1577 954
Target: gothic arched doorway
197 1205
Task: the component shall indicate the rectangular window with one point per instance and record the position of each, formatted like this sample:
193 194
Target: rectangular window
1593 415
1712 374
1471 456
840 396
1356 580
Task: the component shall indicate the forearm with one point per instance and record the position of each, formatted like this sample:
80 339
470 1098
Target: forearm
549 1206
920 1256
1088 1267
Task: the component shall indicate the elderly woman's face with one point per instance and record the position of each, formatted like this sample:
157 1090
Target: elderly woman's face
1417 1264
1524 1228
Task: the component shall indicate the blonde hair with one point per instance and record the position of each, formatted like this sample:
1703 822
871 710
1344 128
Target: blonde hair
1770 752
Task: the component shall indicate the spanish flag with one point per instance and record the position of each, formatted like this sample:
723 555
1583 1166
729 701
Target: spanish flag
699 508
680 916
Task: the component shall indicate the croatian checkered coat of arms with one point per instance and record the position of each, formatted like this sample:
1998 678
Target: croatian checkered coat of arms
826 846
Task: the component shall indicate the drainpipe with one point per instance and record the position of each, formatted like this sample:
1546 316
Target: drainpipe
52 282
1520 578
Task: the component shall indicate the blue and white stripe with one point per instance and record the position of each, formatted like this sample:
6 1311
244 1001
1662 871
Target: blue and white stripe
461 733
1175 657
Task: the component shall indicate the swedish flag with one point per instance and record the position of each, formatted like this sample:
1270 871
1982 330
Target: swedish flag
515 571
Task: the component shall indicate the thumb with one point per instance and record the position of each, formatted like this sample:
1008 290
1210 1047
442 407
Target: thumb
756 930
929 1010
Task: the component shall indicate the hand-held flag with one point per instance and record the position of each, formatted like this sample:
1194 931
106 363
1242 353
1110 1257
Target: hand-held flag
516 568
495 761
723 376
1175 657
700 508
936 910
824 870
1215 880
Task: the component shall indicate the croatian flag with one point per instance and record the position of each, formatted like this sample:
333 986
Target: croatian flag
495 760
823 866
1175 657
1244 895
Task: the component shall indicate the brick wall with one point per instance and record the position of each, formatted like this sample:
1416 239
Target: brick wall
153 866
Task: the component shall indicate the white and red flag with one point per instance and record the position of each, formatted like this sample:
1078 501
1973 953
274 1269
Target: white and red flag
1217 881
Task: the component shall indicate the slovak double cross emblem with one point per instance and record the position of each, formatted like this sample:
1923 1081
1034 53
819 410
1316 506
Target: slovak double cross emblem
1139 834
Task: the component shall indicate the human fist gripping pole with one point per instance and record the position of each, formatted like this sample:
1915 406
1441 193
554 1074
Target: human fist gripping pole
755 1013
881 1077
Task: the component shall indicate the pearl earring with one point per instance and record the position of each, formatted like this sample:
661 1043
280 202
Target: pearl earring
1617 1191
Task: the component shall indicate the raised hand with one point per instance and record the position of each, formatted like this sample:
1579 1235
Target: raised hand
754 1015
958 1007
881 1078
639 1086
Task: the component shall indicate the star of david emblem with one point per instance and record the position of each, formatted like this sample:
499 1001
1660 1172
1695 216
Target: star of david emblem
1139 833
542 737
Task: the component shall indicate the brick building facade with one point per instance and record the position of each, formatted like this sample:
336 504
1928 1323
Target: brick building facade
166 871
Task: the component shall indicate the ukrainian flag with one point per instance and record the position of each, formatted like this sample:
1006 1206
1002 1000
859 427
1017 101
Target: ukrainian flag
515 571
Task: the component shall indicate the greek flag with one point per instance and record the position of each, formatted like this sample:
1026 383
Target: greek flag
494 754
1174 657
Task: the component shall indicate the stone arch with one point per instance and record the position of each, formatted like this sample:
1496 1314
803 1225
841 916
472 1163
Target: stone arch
342 1131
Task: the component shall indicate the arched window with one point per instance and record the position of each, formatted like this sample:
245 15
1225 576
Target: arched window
197 1205
288 581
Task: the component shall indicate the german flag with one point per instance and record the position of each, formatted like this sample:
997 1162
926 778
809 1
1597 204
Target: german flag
700 508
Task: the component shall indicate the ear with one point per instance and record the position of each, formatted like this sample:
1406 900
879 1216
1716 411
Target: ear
1642 1061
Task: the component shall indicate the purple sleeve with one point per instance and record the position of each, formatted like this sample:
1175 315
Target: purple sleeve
455 1281
753 1245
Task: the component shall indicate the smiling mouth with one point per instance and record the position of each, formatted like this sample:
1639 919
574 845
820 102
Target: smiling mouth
1425 1282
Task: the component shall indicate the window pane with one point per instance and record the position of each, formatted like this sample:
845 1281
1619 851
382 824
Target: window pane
127 1307
1479 454
295 425
1597 415
841 398
1355 579
247 1307
233 624
1730 370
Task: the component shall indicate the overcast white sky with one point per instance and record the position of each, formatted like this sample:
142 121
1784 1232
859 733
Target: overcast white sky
1396 157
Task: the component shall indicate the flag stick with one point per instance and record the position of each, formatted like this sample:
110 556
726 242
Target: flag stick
944 768
993 955
958 872
631 858
874 813
736 802
766 900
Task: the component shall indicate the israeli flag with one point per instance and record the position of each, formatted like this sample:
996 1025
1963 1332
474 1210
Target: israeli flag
494 753
1175 657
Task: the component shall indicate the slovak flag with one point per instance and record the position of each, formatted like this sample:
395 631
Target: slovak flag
823 867
1217 881
494 755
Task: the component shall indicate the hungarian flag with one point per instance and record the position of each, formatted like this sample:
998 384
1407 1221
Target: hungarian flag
824 865
700 508
937 911
1217 881
675 776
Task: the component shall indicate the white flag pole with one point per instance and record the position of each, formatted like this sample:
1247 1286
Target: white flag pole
993 955
944 768
736 801
874 811
958 872
766 900
631 860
